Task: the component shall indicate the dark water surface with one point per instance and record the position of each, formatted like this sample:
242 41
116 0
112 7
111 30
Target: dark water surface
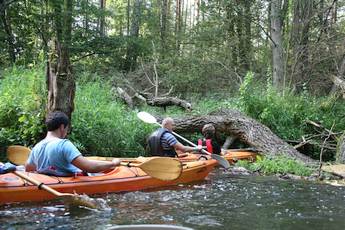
223 201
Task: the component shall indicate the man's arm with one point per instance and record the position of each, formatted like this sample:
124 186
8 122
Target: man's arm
180 147
30 167
92 166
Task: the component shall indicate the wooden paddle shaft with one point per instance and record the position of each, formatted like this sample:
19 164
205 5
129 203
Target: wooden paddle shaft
221 160
40 184
130 164
191 143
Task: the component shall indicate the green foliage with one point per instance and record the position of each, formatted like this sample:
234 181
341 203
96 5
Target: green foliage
286 114
279 164
22 103
100 124
209 104
103 126
197 75
106 54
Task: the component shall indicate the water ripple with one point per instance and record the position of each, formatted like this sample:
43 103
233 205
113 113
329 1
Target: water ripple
220 202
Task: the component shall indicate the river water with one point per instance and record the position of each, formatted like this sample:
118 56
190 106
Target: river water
222 201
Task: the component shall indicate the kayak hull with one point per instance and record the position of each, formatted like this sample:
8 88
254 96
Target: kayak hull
122 179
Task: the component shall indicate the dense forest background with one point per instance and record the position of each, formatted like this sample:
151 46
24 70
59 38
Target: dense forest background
280 61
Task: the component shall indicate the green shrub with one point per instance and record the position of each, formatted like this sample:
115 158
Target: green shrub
279 164
286 114
104 126
101 125
22 104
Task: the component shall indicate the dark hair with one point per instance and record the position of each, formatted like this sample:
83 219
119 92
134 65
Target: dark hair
55 119
208 131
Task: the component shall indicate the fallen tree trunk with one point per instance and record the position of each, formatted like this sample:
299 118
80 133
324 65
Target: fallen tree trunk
247 130
162 101
125 97
340 84
169 101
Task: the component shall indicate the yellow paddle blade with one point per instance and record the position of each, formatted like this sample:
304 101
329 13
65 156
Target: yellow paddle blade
17 154
163 168
146 117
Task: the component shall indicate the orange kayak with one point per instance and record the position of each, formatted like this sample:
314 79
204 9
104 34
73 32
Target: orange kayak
121 179
230 155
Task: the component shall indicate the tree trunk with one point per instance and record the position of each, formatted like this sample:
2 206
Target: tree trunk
9 35
60 80
169 101
86 18
300 41
231 38
197 11
128 15
136 18
102 18
163 24
240 38
339 80
248 34
247 130
61 84
277 45
178 24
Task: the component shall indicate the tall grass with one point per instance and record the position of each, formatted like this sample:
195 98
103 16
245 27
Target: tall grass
22 102
278 164
287 114
102 125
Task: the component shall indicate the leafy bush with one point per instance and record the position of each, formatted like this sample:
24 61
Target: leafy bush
279 164
286 114
103 126
22 104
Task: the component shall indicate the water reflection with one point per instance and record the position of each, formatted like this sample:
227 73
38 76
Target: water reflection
223 201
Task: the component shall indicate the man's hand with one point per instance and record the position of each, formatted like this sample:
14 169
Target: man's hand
116 162
197 148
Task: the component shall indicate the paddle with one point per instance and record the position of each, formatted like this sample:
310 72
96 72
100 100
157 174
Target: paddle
148 118
161 168
18 154
74 199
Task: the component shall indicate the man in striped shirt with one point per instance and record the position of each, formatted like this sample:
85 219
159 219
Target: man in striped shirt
163 143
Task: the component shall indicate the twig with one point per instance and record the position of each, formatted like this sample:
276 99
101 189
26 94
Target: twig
148 78
322 148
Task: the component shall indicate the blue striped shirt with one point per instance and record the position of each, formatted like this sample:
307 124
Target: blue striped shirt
168 140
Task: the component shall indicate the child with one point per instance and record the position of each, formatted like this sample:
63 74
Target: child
208 131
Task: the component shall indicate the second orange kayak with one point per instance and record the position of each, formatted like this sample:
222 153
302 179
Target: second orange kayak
231 155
